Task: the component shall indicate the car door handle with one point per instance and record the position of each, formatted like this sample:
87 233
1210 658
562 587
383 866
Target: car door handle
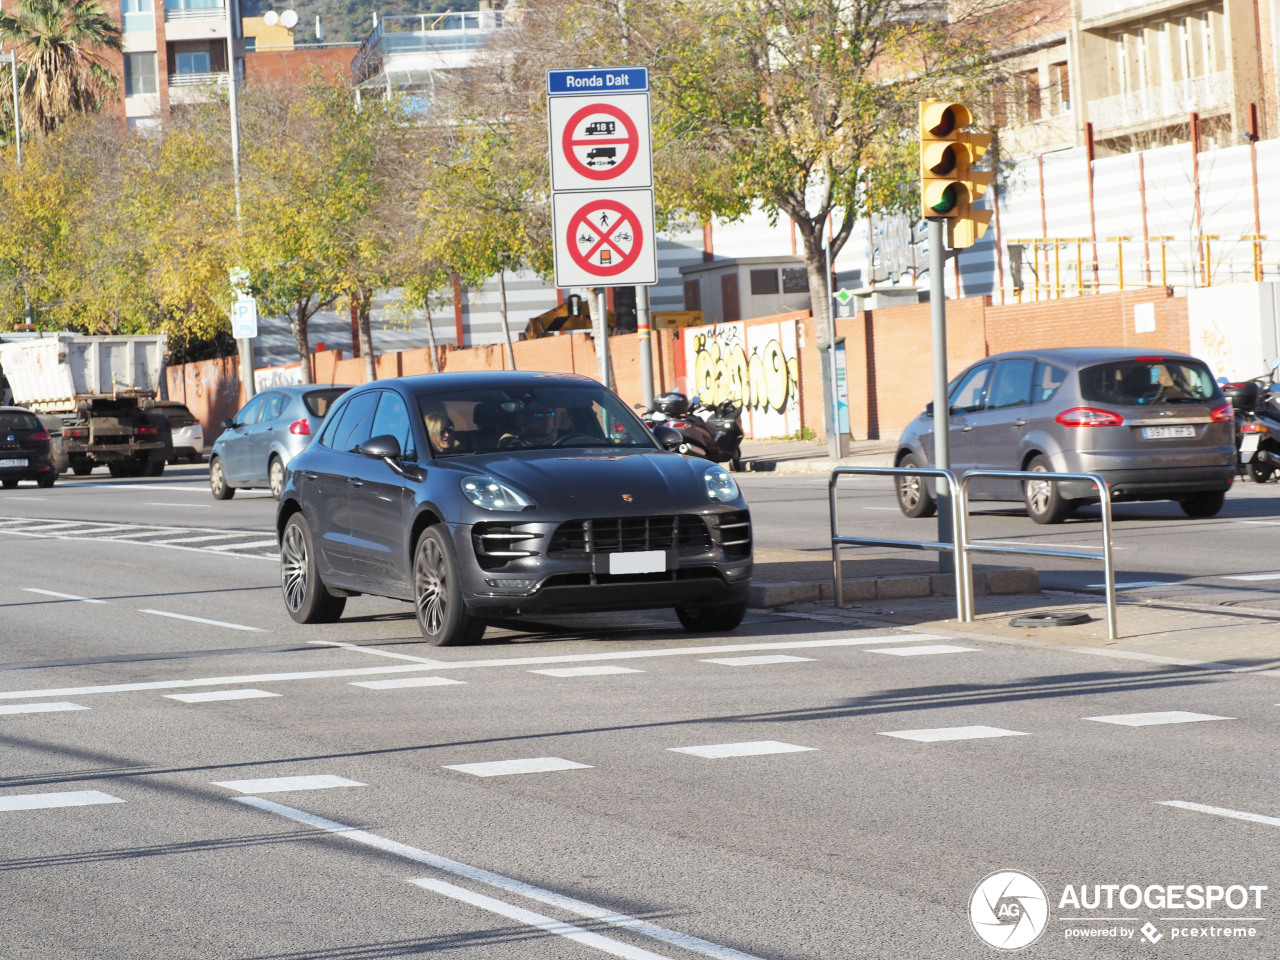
310 476
352 481
966 428
1020 422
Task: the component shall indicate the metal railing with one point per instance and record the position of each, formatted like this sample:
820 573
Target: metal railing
968 547
962 547
964 605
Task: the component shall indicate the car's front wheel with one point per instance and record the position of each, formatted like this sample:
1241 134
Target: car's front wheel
1045 504
305 595
443 616
914 499
218 485
713 618
1203 504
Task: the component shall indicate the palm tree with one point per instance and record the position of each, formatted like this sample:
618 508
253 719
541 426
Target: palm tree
61 68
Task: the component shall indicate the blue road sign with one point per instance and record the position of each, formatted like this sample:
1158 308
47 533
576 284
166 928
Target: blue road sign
563 83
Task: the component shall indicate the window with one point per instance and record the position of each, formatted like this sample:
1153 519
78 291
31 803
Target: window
251 411
392 419
318 402
1142 75
692 295
1061 79
139 73
357 419
1207 23
1046 382
1029 86
971 394
275 403
137 15
250 44
194 61
795 280
192 4
764 283
1184 32
1012 384
1120 50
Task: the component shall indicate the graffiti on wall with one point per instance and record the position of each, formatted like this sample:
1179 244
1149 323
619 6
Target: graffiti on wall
758 365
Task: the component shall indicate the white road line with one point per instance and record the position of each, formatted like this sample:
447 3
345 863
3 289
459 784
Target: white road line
61 596
1156 719
256 545
940 734
923 651
579 908
375 651
756 661
894 509
549 924
406 682
585 671
201 539
269 678
148 532
1251 576
40 707
184 506
1221 812
716 751
322 781
212 623
504 768
213 695
45 801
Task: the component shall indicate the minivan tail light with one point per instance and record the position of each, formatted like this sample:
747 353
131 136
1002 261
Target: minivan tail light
1088 417
300 428
1223 414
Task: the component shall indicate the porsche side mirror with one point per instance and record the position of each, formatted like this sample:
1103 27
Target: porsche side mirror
384 447
669 437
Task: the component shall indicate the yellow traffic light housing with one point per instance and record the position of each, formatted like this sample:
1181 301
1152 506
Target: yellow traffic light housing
949 186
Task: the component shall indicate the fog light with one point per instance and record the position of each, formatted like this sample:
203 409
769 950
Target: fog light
506 584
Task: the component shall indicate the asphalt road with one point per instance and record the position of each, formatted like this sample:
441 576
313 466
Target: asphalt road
186 773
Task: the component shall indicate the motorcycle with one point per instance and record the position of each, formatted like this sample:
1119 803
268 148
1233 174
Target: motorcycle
1257 414
713 433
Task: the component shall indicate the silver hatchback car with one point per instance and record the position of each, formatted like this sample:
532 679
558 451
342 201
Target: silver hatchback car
1154 425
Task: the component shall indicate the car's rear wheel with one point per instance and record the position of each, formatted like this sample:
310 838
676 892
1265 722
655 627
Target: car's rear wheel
155 468
275 475
8 484
914 499
1045 504
305 595
1202 504
47 481
218 485
713 618
443 616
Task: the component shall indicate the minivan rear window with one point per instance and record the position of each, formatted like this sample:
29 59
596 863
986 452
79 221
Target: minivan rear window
1147 381
318 402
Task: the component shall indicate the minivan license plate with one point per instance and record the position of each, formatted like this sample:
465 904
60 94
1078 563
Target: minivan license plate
1160 433
640 561
13 463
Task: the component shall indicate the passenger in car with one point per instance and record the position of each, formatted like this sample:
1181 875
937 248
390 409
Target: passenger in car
440 431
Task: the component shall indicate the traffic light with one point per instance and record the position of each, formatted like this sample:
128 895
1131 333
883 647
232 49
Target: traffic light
949 186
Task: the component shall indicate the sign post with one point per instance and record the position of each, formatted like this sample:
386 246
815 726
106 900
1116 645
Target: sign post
601 161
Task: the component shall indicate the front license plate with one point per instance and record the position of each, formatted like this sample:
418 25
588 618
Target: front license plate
1248 444
13 463
642 561
1160 433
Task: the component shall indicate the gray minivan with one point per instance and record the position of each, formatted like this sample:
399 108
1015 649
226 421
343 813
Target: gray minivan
1154 424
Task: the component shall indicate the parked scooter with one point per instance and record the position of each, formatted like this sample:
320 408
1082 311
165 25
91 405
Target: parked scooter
713 433
1257 408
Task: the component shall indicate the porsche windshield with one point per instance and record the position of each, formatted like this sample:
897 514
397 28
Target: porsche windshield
488 420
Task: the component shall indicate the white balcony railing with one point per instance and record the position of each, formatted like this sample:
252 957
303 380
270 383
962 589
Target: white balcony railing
1168 101
196 79
200 13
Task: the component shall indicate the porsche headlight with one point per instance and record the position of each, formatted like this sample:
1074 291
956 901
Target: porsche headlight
720 486
489 494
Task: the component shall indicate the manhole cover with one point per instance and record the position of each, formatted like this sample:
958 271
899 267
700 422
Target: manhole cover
1050 620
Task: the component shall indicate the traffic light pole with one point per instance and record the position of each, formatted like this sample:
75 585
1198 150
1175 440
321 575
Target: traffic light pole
941 408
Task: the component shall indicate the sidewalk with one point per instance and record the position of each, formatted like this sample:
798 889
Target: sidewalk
910 593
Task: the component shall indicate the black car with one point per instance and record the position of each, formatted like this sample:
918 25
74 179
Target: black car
482 496
25 449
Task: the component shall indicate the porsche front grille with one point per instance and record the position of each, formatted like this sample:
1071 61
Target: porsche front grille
581 538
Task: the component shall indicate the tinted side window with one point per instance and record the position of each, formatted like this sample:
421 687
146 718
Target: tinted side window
318 402
251 410
331 426
971 394
1012 384
393 418
275 403
1046 382
357 420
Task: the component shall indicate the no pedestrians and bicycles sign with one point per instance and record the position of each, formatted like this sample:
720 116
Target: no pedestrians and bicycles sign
601 177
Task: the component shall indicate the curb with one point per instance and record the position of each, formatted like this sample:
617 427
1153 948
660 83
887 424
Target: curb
763 465
1019 580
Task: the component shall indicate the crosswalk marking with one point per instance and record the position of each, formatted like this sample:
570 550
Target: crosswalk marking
502 768
61 596
585 671
756 661
213 695
211 623
923 651
939 734
756 748
40 707
249 543
283 784
46 801
1156 719
406 682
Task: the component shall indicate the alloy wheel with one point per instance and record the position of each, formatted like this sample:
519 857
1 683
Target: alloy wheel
1039 492
909 492
294 567
431 587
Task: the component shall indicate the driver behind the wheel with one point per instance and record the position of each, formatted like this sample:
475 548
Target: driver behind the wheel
538 426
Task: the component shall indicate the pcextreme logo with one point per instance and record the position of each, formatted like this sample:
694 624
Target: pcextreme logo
1009 910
